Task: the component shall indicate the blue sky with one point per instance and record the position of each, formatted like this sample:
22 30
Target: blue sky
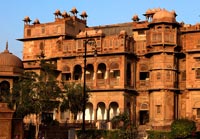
100 12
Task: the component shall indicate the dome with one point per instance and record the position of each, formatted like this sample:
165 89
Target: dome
164 16
74 11
10 65
84 14
65 14
135 18
36 21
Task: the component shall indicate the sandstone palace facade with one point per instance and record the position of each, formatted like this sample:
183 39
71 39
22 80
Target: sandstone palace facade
150 68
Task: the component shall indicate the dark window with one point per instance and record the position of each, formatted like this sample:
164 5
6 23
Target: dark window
144 75
115 73
77 77
4 90
89 72
66 76
198 73
128 74
101 72
198 112
77 72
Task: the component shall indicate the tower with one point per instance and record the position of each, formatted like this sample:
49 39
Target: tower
162 48
11 67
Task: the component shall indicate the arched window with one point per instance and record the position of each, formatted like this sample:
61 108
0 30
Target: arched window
101 71
77 72
4 90
89 114
101 111
114 110
89 72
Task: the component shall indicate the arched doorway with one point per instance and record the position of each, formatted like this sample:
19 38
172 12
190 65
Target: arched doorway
113 110
77 73
144 113
101 71
89 115
89 72
101 111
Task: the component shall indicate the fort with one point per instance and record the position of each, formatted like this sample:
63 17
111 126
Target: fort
149 69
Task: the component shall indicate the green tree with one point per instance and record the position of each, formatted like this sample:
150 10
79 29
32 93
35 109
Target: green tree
182 128
123 123
36 93
73 98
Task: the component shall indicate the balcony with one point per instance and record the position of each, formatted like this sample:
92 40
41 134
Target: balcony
157 38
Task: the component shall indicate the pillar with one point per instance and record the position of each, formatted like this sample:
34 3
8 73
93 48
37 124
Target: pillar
6 122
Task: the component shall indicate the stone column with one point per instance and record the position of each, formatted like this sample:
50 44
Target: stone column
95 75
95 114
6 122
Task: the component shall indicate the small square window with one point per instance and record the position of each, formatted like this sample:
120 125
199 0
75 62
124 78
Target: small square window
144 75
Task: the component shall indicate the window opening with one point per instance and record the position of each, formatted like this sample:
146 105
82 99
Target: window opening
144 75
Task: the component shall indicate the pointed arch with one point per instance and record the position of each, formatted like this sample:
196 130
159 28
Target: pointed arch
113 109
101 111
77 73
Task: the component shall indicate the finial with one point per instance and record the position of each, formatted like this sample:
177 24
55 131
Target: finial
7 45
6 50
